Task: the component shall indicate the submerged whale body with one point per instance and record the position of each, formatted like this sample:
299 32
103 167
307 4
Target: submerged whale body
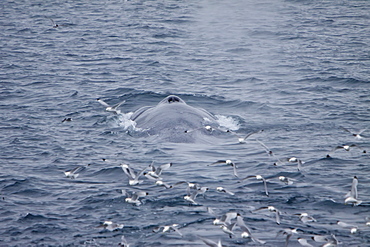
171 118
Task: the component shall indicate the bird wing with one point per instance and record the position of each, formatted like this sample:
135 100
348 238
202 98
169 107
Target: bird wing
208 242
345 129
140 173
118 105
265 185
163 167
252 133
354 193
277 214
129 171
234 170
176 230
242 225
103 102
218 162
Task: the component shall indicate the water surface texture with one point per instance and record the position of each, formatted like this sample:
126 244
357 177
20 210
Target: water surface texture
299 70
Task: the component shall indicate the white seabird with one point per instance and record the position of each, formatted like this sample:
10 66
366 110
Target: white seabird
222 189
305 218
286 180
246 231
132 175
345 147
272 209
352 196
259 177
168 228
74 173
110 226
356 135
109 108
134 197
227 162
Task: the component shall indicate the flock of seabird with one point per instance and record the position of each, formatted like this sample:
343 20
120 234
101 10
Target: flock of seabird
231 220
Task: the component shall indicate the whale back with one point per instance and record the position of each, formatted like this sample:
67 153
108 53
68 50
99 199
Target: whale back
171 117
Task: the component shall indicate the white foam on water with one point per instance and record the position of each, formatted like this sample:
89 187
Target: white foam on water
228 122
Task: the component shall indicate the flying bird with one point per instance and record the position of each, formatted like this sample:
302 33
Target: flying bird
259 177
345 147
272 209
356 135
109 108
168 228
227 162
134 197
246 231
352 196
132 175
110 226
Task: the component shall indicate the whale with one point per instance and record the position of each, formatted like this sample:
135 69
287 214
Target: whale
173 120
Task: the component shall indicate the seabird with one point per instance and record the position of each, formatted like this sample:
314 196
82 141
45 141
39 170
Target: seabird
109 108
109 225
54 24
304 217
345 147
246 231
259 177
191 195
227 162
222 189
304 243
352 196
228 228
225 219
67 119
132 175
286 180
134 197
74 173
156 172
272 209
288 232
353 229
161 183
168 228
291 160
243 139
356 135
268 151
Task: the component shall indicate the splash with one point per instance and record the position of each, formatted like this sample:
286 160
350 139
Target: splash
124 120
228 122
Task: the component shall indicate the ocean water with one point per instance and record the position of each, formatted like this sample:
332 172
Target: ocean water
299 70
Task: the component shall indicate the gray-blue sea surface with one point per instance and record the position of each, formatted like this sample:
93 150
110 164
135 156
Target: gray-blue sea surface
296 69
